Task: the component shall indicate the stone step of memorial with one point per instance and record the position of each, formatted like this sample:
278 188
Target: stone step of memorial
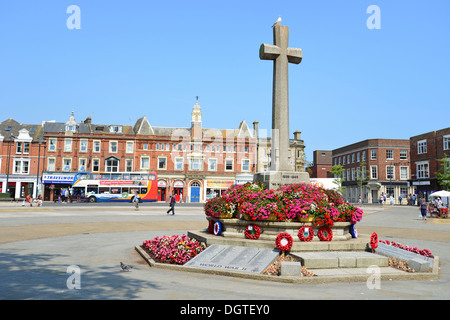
340 259
356 244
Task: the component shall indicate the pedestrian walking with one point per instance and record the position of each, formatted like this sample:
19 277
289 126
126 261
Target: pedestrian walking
423 208
172 202
135 199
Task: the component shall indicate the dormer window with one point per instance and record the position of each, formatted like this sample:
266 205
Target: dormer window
71 128
115 129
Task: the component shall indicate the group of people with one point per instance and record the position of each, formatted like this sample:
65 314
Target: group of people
29 199
433 207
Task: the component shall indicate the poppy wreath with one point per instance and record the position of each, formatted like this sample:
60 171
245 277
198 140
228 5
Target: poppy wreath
374 240
252 232
217 228
284 241
305 233
325 233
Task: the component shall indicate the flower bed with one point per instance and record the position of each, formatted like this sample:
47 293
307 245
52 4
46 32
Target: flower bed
423 252
176 249
290 202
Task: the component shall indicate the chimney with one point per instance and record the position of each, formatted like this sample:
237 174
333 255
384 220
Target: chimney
297 135
255 128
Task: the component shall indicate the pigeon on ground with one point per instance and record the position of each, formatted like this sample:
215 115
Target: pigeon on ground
125 267
277 22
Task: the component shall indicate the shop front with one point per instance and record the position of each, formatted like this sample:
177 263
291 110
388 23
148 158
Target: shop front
178 187
18 186
162 187
54 182
215 188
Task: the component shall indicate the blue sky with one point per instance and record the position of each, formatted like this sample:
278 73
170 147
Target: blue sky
135 58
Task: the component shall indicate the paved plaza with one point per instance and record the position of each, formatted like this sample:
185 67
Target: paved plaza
40 246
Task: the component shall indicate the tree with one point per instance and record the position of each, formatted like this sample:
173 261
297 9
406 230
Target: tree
443 175
337 171
362 176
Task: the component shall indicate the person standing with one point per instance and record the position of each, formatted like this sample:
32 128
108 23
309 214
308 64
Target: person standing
172 202
423 208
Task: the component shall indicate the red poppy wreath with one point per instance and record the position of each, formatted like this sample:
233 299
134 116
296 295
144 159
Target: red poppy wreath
305 233
325 233
252 232
284 241
374 241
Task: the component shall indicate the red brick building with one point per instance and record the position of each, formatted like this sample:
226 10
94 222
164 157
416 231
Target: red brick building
383 164
322 162
426 150
21 158
195 162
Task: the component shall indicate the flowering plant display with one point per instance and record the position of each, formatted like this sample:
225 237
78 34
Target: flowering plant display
177 249
423 252
300 200
284 241
325 233
305 233
219 207
252 232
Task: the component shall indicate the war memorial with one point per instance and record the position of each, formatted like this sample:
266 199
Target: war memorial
283 228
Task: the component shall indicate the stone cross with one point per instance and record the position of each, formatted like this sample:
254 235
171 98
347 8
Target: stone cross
281 54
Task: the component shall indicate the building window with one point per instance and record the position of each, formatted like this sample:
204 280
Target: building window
83 145
390 154
404 173
128 165
358 157
129 147
162 163
229 165
115 129
196 164
52 145
67 145
353 158
145 163
21 166
373 154
113 146
421 146
82 165
96 146
390 172
112 164
403 154
178 163
96 165
422 170
212 164
373 172
19 147
67 164
145 146
245 165
446 139
51 164
353 174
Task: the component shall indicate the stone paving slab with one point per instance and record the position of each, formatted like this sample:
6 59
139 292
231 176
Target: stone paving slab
340 259
235 258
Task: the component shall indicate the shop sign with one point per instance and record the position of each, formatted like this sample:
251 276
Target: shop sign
219 184
162 184
58 178
178 184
